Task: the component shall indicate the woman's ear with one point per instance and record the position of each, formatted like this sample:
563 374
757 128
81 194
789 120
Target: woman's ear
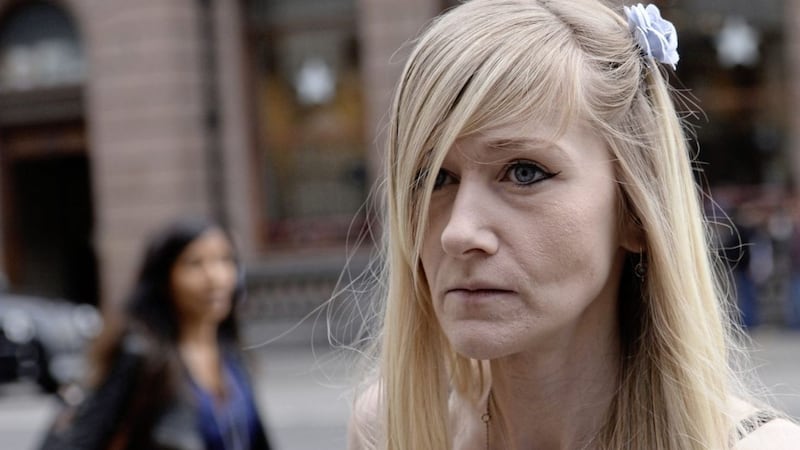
631 234
631 230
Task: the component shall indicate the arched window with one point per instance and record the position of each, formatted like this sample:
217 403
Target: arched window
39 47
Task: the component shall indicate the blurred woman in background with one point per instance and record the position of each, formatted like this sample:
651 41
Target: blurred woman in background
170 374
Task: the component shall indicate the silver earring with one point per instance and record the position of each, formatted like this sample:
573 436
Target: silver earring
640 269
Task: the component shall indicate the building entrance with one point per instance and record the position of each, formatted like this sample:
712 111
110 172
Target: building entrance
47 212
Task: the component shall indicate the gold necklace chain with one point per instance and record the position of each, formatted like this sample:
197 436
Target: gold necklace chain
487 417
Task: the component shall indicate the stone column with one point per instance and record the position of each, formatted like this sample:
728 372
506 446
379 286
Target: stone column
792 46
145 119
386 28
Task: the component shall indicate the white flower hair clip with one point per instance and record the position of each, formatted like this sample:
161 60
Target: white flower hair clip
656 36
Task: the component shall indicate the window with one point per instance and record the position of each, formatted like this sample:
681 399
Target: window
39 47
310 136
732 58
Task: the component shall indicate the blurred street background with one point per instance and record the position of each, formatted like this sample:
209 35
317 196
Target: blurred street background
267 115
305 397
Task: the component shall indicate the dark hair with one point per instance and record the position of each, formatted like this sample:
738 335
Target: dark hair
150 305
149 309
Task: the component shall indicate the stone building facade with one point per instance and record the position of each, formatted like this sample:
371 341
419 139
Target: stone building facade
248 111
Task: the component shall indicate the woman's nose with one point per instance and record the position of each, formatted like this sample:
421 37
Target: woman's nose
470 227
219 273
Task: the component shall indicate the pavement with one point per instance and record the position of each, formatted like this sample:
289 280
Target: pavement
305 393
303 388
775 358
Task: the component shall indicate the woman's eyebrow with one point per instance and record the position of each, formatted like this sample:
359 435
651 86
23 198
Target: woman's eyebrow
520 143
525 144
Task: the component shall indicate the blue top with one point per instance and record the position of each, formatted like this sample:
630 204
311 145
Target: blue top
231 423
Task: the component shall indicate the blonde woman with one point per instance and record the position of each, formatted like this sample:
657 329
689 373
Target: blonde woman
549 283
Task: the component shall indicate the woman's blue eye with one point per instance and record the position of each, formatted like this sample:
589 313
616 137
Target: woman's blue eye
526 173
442 178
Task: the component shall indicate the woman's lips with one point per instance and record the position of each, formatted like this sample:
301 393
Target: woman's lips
476 295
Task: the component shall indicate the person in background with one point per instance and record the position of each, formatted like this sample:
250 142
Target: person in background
170 373
548 278
792 308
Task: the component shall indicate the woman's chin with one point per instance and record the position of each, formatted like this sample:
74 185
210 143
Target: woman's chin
481 346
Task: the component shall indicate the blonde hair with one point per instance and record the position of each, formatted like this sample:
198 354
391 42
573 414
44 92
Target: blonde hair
488 63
